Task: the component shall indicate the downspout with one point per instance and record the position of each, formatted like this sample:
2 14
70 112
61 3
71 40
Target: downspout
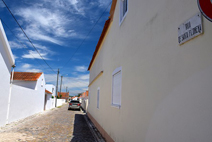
10 91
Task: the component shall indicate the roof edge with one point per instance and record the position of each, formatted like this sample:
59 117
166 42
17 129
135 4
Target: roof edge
6 44
41 73
104 31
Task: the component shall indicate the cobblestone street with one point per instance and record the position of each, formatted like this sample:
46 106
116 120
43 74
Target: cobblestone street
57 125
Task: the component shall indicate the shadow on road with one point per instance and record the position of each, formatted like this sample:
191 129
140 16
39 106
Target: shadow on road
81 132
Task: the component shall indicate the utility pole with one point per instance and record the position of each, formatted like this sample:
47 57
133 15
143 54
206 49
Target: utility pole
61 84
58 72
67 94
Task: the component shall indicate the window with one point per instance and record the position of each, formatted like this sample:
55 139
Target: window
116 87
98 97
123 10
42 83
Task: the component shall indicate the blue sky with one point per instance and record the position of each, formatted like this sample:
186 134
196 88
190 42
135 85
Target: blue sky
56 28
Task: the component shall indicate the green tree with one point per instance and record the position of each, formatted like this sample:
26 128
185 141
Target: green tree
79 94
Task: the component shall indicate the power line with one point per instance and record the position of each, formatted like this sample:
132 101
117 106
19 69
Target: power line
27 36
87 35
20 41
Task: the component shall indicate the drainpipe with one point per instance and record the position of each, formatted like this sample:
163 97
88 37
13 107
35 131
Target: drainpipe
10 91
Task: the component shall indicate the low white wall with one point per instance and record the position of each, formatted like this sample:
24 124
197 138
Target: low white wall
60 102
53 103
85 104
26 101
51 88
48 101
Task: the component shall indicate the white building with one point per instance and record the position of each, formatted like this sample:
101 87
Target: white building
151 73
50 91
6 62
28 95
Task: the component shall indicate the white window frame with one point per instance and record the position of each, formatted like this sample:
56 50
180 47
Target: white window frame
121 16
117 70
98 96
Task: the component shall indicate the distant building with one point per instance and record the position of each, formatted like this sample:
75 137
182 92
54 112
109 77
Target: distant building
63 95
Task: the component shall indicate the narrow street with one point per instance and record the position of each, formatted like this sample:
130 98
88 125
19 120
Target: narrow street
57 125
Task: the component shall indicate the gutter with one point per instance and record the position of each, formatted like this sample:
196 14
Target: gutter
10 91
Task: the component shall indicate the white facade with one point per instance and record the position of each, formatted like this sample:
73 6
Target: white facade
169 85
6 62
27 98
50 103
60 102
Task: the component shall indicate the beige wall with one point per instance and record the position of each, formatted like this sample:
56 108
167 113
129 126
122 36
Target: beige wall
166 88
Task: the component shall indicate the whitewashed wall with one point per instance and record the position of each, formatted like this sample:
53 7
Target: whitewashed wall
48 101
51 88
85 104
53 103
60 102
26 101
6 62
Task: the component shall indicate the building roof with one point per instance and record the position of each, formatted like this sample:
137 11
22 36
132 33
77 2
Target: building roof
64 94
84 94
46 91
27 76
103 35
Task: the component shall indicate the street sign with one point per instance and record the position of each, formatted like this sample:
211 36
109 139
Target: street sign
205 7
190 28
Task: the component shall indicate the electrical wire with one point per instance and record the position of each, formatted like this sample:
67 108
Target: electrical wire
27 36
87 35
25 47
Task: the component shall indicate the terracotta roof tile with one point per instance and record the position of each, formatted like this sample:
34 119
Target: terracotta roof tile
64 94
46 91
27 76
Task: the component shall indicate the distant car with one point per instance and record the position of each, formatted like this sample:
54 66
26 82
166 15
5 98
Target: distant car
74 104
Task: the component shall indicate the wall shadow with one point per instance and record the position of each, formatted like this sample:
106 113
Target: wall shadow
81 131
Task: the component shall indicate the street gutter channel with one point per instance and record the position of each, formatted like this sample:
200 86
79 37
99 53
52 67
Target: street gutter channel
98 137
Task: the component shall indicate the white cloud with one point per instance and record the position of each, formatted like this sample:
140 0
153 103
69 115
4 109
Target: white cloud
81 68
33 70
77 82
46 24
50 78
2 4
27 68
15 57
104 3
84 77
34 55
14 45
75 85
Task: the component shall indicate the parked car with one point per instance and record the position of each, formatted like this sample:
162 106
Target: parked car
74 104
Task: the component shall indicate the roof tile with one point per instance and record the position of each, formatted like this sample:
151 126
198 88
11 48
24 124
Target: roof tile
26 76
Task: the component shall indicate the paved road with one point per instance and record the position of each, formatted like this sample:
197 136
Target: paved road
57 125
